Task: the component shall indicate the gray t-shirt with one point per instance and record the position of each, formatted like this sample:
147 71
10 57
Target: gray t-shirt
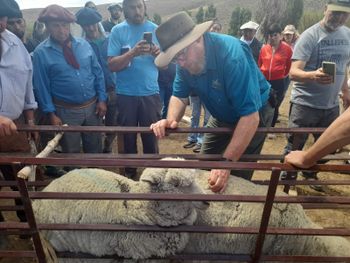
314 46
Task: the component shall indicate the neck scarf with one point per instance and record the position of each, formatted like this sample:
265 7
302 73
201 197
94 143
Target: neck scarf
69 55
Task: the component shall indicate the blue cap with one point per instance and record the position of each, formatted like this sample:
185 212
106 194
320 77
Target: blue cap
88 16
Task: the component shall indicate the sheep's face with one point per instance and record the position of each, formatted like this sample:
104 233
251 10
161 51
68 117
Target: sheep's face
173 181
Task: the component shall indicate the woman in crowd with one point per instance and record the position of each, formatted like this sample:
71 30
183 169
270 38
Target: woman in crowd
274 62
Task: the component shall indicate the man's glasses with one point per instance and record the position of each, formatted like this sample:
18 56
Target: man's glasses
180 55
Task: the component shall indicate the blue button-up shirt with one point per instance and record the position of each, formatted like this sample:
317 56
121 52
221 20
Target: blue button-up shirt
16 90
55 78
231 85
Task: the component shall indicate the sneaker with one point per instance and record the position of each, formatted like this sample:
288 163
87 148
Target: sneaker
197 149
189 145
283 175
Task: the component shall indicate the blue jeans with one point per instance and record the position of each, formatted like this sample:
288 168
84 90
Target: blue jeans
196 106
165 92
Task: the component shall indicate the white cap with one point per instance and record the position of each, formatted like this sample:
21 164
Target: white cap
250 25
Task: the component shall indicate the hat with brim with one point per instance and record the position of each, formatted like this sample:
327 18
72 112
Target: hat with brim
10 9
88 16
289 29
250 25
339 6
177 33
56 13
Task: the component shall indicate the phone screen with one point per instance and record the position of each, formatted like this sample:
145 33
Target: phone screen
148 37
329 68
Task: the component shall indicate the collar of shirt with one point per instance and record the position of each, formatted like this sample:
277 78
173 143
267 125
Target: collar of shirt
9 39
53 44
210 59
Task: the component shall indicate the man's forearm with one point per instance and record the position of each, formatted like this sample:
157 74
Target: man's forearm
335 136
176 109
29 116
119 63
242 135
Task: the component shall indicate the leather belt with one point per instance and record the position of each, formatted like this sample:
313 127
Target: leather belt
67 105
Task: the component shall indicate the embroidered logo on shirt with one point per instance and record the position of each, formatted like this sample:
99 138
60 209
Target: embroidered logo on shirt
216 84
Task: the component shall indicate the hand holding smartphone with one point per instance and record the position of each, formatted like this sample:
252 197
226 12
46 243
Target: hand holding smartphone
329 68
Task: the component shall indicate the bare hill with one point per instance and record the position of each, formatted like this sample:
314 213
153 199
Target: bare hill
168 7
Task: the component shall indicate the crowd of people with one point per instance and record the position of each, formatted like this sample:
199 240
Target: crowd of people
133 72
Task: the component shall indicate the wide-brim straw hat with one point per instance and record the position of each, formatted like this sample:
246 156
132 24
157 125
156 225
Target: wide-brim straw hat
177 33
339 6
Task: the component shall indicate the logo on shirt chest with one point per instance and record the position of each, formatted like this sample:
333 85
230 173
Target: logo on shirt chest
216 84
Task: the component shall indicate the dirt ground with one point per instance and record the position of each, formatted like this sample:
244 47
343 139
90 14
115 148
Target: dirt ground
335 218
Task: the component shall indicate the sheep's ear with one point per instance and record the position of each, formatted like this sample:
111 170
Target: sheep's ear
201 205
153 175
180 177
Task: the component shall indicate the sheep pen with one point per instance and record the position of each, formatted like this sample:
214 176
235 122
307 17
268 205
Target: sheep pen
139 245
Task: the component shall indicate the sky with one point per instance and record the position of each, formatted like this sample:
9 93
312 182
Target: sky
26 4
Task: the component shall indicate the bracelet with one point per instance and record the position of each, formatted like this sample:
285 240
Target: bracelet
30 122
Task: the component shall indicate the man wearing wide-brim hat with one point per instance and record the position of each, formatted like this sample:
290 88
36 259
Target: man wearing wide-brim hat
221 70
68 79
314 99
249 30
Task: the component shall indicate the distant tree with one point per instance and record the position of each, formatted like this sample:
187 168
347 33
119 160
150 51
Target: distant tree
157 19
200 15
187 11
210 13
239 16
270 12
294 12
309 19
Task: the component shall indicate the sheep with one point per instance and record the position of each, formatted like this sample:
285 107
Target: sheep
235 214
135 245
232 214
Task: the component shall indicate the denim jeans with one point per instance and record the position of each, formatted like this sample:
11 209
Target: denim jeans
196 106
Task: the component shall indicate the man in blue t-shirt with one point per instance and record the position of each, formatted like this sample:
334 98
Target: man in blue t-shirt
132 58
221 70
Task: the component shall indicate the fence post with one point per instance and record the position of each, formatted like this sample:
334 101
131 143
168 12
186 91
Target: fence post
271 193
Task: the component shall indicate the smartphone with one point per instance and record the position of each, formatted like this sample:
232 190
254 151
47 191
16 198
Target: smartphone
148 37
329 68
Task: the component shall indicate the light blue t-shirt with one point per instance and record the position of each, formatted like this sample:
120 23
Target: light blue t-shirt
314 46
231 85
140 77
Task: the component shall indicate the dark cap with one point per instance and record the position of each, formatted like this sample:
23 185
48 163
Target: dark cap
56 13
88 16
10 9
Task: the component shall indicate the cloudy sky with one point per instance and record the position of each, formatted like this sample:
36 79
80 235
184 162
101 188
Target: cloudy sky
25 4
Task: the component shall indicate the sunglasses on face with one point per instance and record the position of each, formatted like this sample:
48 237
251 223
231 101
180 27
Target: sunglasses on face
273 34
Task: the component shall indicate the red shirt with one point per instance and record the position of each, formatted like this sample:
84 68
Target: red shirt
275 64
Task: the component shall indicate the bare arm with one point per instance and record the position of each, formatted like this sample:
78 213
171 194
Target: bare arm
176 110
334 137
297 73
119 63
345 93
